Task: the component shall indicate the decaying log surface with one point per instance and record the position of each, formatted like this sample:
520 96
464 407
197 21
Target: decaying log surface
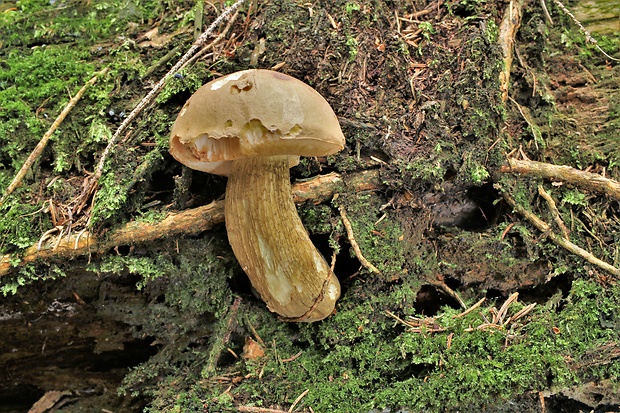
69 337
189 222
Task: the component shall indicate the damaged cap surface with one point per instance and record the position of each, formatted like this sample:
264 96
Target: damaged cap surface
253 113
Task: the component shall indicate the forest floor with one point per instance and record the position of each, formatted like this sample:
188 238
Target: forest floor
480 178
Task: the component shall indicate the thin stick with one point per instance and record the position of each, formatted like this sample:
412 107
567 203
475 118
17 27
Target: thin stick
558 239
554 211
34 155
543 4
470 309
583 30
499 317
198 44
297 400
213 43
585 180
521 313
354 244
442 285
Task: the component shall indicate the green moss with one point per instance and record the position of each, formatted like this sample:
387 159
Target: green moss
20 225
187 80
193 281
50 52
317 219
359 359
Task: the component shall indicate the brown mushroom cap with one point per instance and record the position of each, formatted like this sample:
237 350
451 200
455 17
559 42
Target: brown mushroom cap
253 113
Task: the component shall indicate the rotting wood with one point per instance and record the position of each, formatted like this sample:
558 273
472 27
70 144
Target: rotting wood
586 180
188 222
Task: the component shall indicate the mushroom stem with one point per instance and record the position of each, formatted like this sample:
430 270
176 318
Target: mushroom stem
271 243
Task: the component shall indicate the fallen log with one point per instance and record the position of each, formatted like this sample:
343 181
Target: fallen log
189 222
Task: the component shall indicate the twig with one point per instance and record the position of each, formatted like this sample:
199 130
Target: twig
34 155
543 4
198 44
255 333
188 222
507 32
213 43
554 211
525 113
585 180
499 317
558 239
354 244
443 286
521 313
583 30
470 309
297 400
419 325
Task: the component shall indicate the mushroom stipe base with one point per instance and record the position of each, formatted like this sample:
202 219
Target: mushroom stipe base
271 243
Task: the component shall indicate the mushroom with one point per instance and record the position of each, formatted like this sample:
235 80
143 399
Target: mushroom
252 126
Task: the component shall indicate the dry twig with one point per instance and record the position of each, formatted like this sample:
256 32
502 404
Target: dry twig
585 180
558 239
297 400
499 322
472 308
554 211
444 287
354 244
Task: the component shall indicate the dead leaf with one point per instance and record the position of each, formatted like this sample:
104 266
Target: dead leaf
252 350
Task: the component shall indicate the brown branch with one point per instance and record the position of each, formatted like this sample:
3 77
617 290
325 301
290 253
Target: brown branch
507 32
34 155
188 222
554 211
354 244
585 180
558 239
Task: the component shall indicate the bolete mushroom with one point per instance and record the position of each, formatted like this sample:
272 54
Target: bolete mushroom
252 126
